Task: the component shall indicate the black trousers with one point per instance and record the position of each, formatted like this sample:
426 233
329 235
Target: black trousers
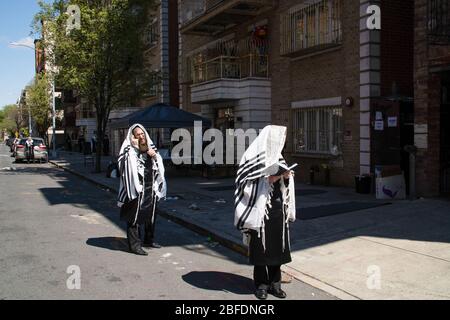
134 240
134 233
267 276
30 154
149 230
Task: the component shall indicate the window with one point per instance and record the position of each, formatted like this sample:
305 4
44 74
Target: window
318 130
311 25
153 33
154 84
438 21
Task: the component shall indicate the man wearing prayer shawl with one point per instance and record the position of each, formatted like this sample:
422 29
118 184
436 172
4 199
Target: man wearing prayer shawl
264 206
142 185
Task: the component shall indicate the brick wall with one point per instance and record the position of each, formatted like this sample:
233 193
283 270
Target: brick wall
325 75
397 40
427 104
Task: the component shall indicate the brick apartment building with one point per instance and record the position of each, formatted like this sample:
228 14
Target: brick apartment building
432 96
313 66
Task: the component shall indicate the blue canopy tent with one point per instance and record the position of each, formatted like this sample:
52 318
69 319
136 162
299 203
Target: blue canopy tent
160 116
155 118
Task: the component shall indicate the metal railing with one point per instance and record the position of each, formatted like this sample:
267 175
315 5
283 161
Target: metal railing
212 3
438 18
224 67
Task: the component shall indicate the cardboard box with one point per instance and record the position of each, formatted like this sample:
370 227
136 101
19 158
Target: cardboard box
392 187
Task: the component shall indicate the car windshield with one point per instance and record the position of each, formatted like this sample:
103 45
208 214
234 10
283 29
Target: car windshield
36 142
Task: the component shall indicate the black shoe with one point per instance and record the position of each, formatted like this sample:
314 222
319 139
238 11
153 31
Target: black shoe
261 294
152 245
277 293
140 252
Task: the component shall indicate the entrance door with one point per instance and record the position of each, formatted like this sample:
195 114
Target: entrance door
445 135
392 130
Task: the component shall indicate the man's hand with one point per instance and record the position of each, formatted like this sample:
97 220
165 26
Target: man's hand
273 179
151 153
135 142
288 174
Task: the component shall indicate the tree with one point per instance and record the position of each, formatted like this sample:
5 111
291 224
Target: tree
103 59
39 102
11 118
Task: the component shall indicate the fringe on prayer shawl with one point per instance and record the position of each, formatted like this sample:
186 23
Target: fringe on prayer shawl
286 217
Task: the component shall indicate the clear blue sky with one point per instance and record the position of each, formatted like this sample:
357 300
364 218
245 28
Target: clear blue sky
16 64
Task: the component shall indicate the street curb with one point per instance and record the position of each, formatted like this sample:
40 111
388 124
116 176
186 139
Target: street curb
319 284
230 244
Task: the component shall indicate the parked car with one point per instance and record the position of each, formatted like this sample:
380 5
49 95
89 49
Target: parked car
40 150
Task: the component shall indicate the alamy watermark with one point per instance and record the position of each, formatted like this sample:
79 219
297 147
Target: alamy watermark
374 279
374 20
213 146
74 19
74 280
222 147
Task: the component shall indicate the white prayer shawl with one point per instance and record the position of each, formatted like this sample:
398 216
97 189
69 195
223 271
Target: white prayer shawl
130 186
253 190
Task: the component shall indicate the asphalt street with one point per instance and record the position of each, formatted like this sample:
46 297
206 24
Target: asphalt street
61 238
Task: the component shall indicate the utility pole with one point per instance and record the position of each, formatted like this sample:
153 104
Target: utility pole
54 119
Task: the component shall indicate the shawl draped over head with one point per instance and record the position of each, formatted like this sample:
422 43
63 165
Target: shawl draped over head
130 186
253 190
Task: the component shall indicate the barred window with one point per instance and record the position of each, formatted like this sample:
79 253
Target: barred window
438 21
318 130
153 33
311 25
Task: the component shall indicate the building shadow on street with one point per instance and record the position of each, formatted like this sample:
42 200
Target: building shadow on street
82 194
220 281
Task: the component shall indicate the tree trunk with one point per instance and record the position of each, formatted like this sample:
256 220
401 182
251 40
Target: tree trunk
99 145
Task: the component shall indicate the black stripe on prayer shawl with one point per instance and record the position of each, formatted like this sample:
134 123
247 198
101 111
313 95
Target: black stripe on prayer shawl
240 190
251 167
250 206
240 184
240 221
127 179
247 162
254 167
121 158
243 179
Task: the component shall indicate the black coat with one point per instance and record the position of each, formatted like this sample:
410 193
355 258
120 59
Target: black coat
273 255
129 208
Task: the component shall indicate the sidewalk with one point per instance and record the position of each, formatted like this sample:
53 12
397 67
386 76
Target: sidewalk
349 245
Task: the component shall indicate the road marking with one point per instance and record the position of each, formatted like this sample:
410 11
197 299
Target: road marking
90 219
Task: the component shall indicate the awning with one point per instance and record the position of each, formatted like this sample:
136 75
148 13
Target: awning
160 116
